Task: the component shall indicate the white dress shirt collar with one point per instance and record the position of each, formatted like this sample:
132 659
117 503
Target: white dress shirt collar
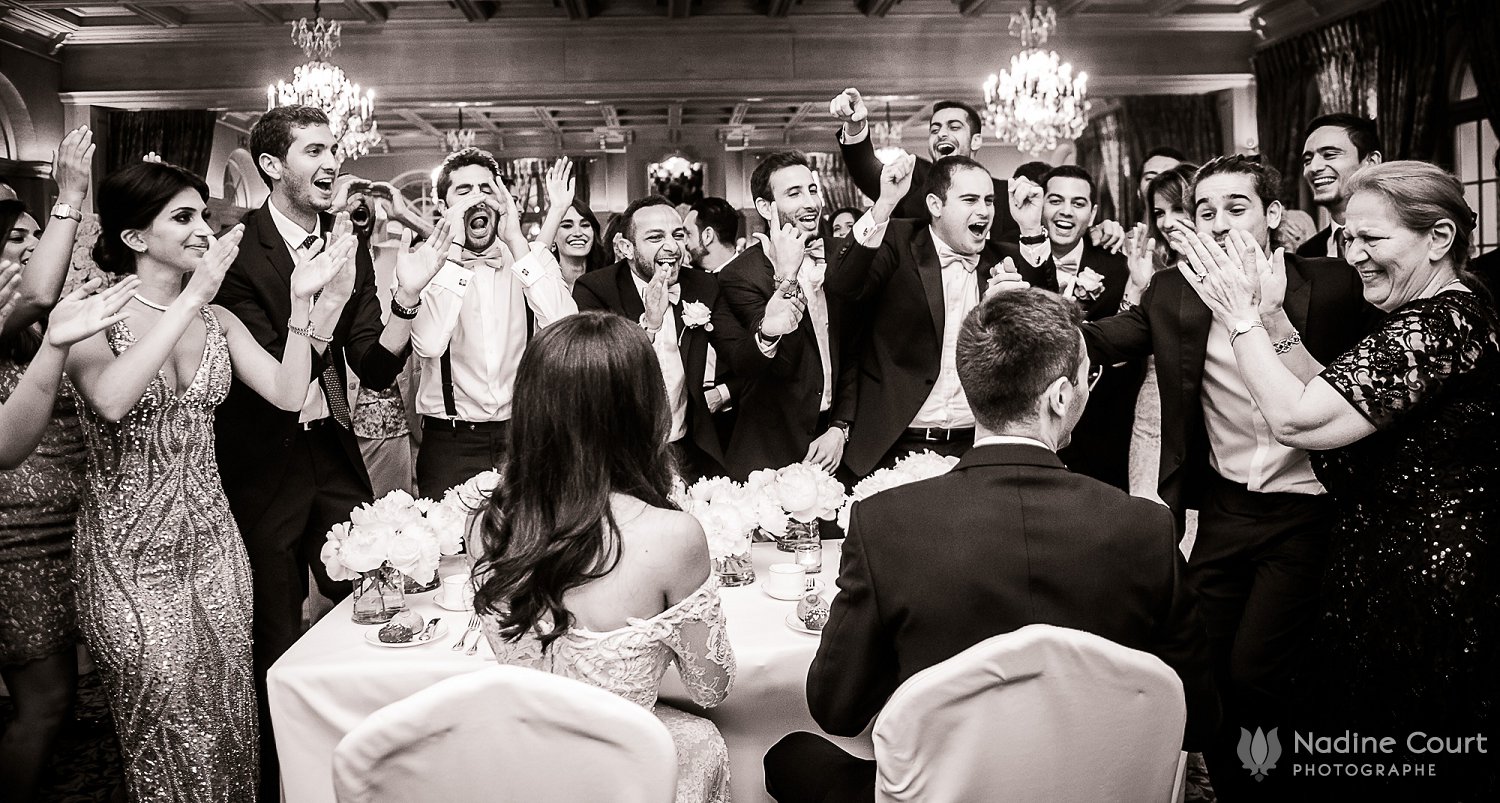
294 234
1010 440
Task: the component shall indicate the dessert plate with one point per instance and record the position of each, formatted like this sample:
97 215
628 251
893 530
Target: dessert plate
817 585
796 624
372 635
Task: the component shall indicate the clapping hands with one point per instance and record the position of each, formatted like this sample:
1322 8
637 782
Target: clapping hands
559 184
10 288
656 298
83 313
323 264
205 281
1236 281
1140 256
71 163
415 266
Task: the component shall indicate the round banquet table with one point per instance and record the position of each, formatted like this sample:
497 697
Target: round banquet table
331 679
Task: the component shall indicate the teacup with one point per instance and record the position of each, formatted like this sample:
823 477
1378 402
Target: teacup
457 592
786 580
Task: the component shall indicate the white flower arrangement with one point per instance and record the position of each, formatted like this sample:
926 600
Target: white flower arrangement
410 534
803 491
912 468
728 512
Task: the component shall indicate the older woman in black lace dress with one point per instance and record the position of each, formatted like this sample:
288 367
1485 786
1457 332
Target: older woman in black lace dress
1407 428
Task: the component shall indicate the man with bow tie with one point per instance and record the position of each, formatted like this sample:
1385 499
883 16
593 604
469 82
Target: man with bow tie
785 338
672 306
475 319
1053 216
915 281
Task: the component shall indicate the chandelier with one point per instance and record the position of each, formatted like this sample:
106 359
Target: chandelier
673 168
457 139
351 114
886 137
1039 101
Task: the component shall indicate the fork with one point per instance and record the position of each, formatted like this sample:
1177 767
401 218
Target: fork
473 625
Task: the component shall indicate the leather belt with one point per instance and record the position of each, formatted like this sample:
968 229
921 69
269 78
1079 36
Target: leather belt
429 422
940 435
317 423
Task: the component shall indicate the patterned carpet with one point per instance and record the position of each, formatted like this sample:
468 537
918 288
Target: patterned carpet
86 768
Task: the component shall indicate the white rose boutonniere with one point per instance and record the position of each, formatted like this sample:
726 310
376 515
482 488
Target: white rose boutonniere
1088 286
696 313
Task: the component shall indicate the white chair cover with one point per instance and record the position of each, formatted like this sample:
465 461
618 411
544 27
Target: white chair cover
507 734
1042 714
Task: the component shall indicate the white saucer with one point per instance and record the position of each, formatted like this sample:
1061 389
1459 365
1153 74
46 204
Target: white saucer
817 586
438 600
796 624
372 635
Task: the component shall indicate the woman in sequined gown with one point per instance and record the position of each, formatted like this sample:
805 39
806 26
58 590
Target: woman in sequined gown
164 596
1407 425
583 567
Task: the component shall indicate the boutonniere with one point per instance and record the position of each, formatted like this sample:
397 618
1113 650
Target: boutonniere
696 313
1088 286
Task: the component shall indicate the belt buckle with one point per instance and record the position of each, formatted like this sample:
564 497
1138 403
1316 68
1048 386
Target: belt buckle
928 435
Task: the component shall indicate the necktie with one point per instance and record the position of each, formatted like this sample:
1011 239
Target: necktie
308 243
329 380
1337 235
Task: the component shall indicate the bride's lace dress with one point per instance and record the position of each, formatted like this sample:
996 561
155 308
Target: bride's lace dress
630 662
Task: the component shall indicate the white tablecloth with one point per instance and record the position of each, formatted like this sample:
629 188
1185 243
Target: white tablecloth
332 679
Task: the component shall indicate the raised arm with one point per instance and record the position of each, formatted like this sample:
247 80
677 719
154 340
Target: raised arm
863 265
559 198
284 382
112 385
854 141
45 274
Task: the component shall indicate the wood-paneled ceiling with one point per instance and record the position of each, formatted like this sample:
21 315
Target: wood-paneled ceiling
704 104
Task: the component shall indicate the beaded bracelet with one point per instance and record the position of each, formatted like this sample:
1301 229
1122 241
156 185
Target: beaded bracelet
1285 346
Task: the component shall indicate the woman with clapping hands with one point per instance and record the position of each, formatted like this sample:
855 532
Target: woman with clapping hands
164 591
1404 431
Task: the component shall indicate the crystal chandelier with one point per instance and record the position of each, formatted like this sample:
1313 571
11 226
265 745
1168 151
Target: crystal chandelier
457 139
351 114
1039 101
674 167
886 137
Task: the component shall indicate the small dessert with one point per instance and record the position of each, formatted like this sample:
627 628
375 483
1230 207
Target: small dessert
402 628
812 610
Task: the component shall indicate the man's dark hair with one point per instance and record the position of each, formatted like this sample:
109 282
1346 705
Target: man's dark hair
1361 130
719 215
273 132
974 125
940 177
1267 179
760 178
1163 150
1072 171
1011 347
1035 171
627 218
464 158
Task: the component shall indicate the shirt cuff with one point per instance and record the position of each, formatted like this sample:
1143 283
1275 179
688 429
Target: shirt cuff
868 233
724 395
452 277
1035 254
531 268
768 351
863 135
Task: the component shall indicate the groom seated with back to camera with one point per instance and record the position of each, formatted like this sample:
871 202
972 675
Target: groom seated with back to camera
1006 539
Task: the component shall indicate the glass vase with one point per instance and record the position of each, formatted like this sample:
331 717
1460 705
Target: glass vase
735 570
797 532
379 595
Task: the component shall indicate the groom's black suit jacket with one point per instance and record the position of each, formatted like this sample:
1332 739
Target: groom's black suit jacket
253 435
1008 538
612 289
1324 301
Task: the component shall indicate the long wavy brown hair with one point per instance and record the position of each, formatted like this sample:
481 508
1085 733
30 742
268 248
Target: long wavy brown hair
589 419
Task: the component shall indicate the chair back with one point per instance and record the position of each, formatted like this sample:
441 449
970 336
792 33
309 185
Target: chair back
507 734
1040 714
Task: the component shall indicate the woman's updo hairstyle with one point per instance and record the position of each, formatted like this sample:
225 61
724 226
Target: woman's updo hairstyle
1421 194
130 198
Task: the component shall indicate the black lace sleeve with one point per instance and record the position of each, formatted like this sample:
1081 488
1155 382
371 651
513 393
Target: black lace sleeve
1405 362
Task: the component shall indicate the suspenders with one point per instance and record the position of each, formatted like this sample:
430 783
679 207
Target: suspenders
445 367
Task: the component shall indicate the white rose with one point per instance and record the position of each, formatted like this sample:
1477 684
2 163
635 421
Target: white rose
447 522
367 547
406 552
332 559
797 489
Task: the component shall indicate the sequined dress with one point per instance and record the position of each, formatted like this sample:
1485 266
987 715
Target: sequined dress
164 596
38 503
630 662
1410 633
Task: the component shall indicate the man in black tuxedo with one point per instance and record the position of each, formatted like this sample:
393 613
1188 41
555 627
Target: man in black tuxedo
1095 279
674 307
1263 517
782 332
291 476
913 282
1006 539
1334 147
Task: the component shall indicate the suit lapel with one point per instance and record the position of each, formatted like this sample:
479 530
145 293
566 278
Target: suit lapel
1196 320
924 253
1298 292
277 251
631 305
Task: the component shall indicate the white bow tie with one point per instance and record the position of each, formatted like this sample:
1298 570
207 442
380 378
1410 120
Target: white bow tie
947 256
674 293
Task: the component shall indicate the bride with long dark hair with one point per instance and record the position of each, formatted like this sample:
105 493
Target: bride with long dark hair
584 567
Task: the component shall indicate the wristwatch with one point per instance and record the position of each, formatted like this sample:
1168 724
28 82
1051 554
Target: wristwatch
1241 327
841 426
66 212
404 313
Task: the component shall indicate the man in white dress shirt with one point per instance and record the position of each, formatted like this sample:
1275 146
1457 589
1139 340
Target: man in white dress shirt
474 322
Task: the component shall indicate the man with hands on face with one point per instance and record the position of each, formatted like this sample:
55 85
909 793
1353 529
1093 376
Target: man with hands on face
672 306
1053 216
914 282
953 130
786 338
492 292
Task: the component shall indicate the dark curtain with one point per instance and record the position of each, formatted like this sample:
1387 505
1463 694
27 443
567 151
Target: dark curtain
1115 143
1480 22
1383 62
181 137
